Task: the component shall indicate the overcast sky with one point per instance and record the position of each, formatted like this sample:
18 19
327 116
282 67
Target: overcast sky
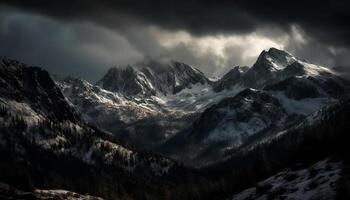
84 38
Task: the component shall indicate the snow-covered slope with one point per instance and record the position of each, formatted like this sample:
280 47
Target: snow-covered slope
229 124
235 119
102 106
8 192
144 121
319 181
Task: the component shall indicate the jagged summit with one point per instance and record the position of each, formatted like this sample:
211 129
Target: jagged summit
152 78
231 78
270 62
128 81
280 61
274 59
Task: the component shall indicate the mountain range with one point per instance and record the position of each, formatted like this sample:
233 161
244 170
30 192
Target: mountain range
163 130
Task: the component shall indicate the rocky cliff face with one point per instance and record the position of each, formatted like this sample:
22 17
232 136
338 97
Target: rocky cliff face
152 79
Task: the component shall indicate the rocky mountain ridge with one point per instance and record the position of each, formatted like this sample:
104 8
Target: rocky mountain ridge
151 114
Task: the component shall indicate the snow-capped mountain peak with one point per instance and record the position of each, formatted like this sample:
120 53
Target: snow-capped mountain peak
276 65
128 81
278 59
272 61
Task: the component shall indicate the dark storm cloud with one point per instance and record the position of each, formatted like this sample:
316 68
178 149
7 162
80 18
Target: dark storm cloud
189 15
327 20
81 50
85 37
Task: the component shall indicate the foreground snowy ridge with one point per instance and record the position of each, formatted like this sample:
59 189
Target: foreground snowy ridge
319 181
8 192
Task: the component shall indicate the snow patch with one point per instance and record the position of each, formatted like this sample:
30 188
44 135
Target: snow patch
303 106
317 182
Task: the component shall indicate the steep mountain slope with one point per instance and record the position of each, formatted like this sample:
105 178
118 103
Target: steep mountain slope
250 111
103 107
128 81
297 88
34 86
230 79
172 77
